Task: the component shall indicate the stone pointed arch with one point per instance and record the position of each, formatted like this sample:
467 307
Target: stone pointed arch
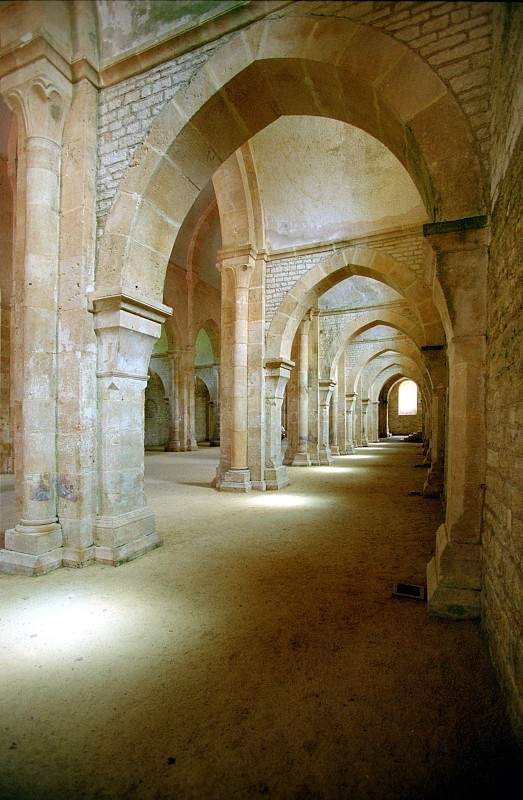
376 378
405 348
280 67
370 319
348 261
239 201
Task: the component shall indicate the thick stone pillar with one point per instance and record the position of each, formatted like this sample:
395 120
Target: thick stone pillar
364 433
126 328
326 390
341 420
302 457
349 410
277 374
214 414
7 184
256 437
235 329
333 422
40 97
174 444
373 421
383 419
76 418
454 574
313 445
436 362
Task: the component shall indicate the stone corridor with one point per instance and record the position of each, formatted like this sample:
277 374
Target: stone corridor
259 653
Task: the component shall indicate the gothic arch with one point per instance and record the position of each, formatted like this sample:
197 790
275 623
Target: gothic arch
370 319
352 260
290 66
405 348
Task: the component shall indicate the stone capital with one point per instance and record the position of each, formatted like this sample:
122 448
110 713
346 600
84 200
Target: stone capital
126 328
241 262
40 96
326 389
277 373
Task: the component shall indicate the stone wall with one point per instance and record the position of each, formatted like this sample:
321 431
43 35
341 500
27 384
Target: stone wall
503 509
284 270
126 111
455 39
400 424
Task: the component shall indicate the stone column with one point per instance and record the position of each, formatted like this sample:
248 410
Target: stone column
76 418
341 420
314 389
349 410
235 326
174 444
326 390
383 419
364 435
214 422
277 374
454 574
126 329
333 422
302 457
436 363
7 184
190 383
40 97
374 420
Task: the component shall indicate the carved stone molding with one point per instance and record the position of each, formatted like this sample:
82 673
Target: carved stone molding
40 96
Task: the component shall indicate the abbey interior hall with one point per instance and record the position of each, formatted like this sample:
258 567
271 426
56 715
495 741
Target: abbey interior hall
261 400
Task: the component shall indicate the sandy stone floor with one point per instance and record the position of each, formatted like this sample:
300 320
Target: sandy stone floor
259 653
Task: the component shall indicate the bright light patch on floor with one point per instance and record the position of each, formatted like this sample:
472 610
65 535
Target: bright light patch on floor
332 470
59 626
273 500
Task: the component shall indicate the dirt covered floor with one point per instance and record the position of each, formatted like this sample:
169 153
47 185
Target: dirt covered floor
259 653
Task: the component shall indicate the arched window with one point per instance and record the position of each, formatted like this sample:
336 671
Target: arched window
407 398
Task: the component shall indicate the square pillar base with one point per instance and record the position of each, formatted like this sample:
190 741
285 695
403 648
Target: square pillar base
78 556
326 458
301 460
236 480
335 450
125 537
16 563
454 579
276 477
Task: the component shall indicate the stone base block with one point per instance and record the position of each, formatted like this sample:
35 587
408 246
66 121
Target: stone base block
235 480
16 563
259 486
276 478
35 540
173 446
78 556
301 460
454 579
335 450
326 459
127 552
121 529
433 486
